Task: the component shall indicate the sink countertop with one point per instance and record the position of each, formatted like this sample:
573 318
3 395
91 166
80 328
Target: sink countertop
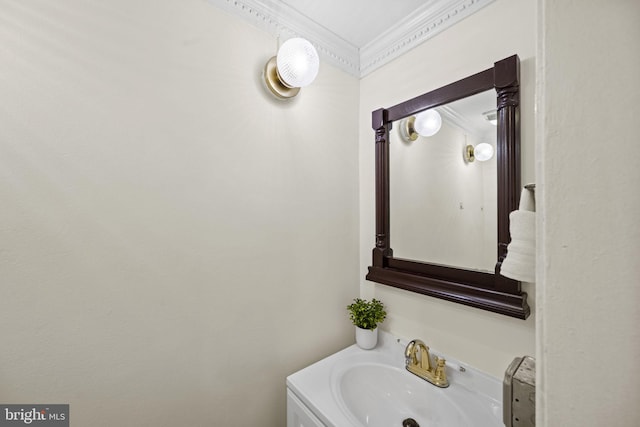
315 385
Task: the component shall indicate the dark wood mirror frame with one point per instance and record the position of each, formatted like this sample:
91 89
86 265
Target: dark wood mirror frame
487 291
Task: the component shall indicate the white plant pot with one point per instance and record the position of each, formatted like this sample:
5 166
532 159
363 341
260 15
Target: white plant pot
366 338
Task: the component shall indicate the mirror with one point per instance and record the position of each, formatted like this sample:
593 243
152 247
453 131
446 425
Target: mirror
438 194
457 259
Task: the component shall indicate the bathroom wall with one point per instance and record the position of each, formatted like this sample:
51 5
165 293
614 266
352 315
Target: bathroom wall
503 28
588 339
173 242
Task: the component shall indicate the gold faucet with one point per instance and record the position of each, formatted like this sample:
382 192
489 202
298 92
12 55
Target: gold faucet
418 362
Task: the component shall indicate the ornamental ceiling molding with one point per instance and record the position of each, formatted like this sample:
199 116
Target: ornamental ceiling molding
283 21
426 22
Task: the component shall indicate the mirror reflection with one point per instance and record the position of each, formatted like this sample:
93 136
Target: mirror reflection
443 184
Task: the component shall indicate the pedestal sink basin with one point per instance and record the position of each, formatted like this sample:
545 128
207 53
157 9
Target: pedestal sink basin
372 388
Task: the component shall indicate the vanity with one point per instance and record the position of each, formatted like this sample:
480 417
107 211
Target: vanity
372 388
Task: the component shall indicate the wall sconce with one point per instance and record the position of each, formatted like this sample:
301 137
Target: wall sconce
481 152
296 65
426 123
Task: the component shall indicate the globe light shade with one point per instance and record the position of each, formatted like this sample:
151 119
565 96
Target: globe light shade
297 62
428 123
483 152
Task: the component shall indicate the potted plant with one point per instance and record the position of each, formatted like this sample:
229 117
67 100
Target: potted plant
366 315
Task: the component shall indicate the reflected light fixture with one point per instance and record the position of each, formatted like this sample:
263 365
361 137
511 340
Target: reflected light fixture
481 152
426 123
296 65
491 116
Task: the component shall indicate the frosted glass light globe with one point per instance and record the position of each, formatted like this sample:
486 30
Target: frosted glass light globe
428 123
297 62
483 152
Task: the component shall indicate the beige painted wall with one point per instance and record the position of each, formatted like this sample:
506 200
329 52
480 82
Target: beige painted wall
173 242
588 338
485 340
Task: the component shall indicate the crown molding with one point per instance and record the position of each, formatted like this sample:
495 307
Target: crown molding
283 21
457 119
431 19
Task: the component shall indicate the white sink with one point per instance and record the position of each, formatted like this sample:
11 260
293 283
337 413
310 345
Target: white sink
372 388
381 395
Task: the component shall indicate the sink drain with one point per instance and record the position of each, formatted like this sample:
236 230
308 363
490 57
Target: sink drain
410 422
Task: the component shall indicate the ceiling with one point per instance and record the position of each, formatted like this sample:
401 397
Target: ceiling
357 36
358 22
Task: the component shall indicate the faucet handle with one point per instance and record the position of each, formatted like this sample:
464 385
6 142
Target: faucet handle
440 373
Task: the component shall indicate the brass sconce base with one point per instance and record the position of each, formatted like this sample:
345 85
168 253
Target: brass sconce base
408 130
274 83
469 157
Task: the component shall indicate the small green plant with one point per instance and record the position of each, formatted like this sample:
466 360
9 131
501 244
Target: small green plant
366 314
